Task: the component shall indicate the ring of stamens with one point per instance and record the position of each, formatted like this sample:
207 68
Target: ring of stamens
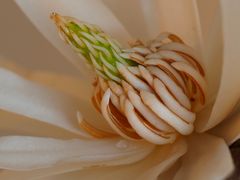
150 91
158 97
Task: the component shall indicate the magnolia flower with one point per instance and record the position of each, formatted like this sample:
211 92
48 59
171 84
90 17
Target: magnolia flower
42 138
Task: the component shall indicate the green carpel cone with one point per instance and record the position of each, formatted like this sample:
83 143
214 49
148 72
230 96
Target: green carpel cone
90 41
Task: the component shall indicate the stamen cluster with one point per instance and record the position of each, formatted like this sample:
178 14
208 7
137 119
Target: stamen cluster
149 91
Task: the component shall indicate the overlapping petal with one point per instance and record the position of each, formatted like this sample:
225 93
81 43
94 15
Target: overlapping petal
159 161
20 96
38 12
229 88
76 88
229 129
30 101
24 148
29 153
208 157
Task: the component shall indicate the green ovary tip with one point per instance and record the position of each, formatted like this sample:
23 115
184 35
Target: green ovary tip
101 51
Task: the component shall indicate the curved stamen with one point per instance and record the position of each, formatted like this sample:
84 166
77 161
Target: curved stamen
142 130
115 119
148 91
163 112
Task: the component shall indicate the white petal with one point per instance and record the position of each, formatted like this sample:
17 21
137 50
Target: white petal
26 98
183 20
153 17
131 23
18 124
12 124
38 12
74 87
210 17
229 90
62 82
160 160
229 129
27 153
208 157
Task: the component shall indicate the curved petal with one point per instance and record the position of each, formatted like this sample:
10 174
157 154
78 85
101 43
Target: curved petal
68 85
93 11
229 129
62 82
183 20
26 98
130 22
149 18
209 13
208 158
29 153
74 87
229 90
12 124
159 161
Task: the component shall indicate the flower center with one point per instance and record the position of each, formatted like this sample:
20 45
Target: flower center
150 91
159 98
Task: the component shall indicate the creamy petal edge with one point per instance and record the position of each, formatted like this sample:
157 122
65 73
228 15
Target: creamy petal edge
158 162
208 157
65 88
229 90
26 98
29 153
38 12
229 129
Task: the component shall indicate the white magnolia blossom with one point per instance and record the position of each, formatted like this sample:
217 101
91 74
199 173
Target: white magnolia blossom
40 111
